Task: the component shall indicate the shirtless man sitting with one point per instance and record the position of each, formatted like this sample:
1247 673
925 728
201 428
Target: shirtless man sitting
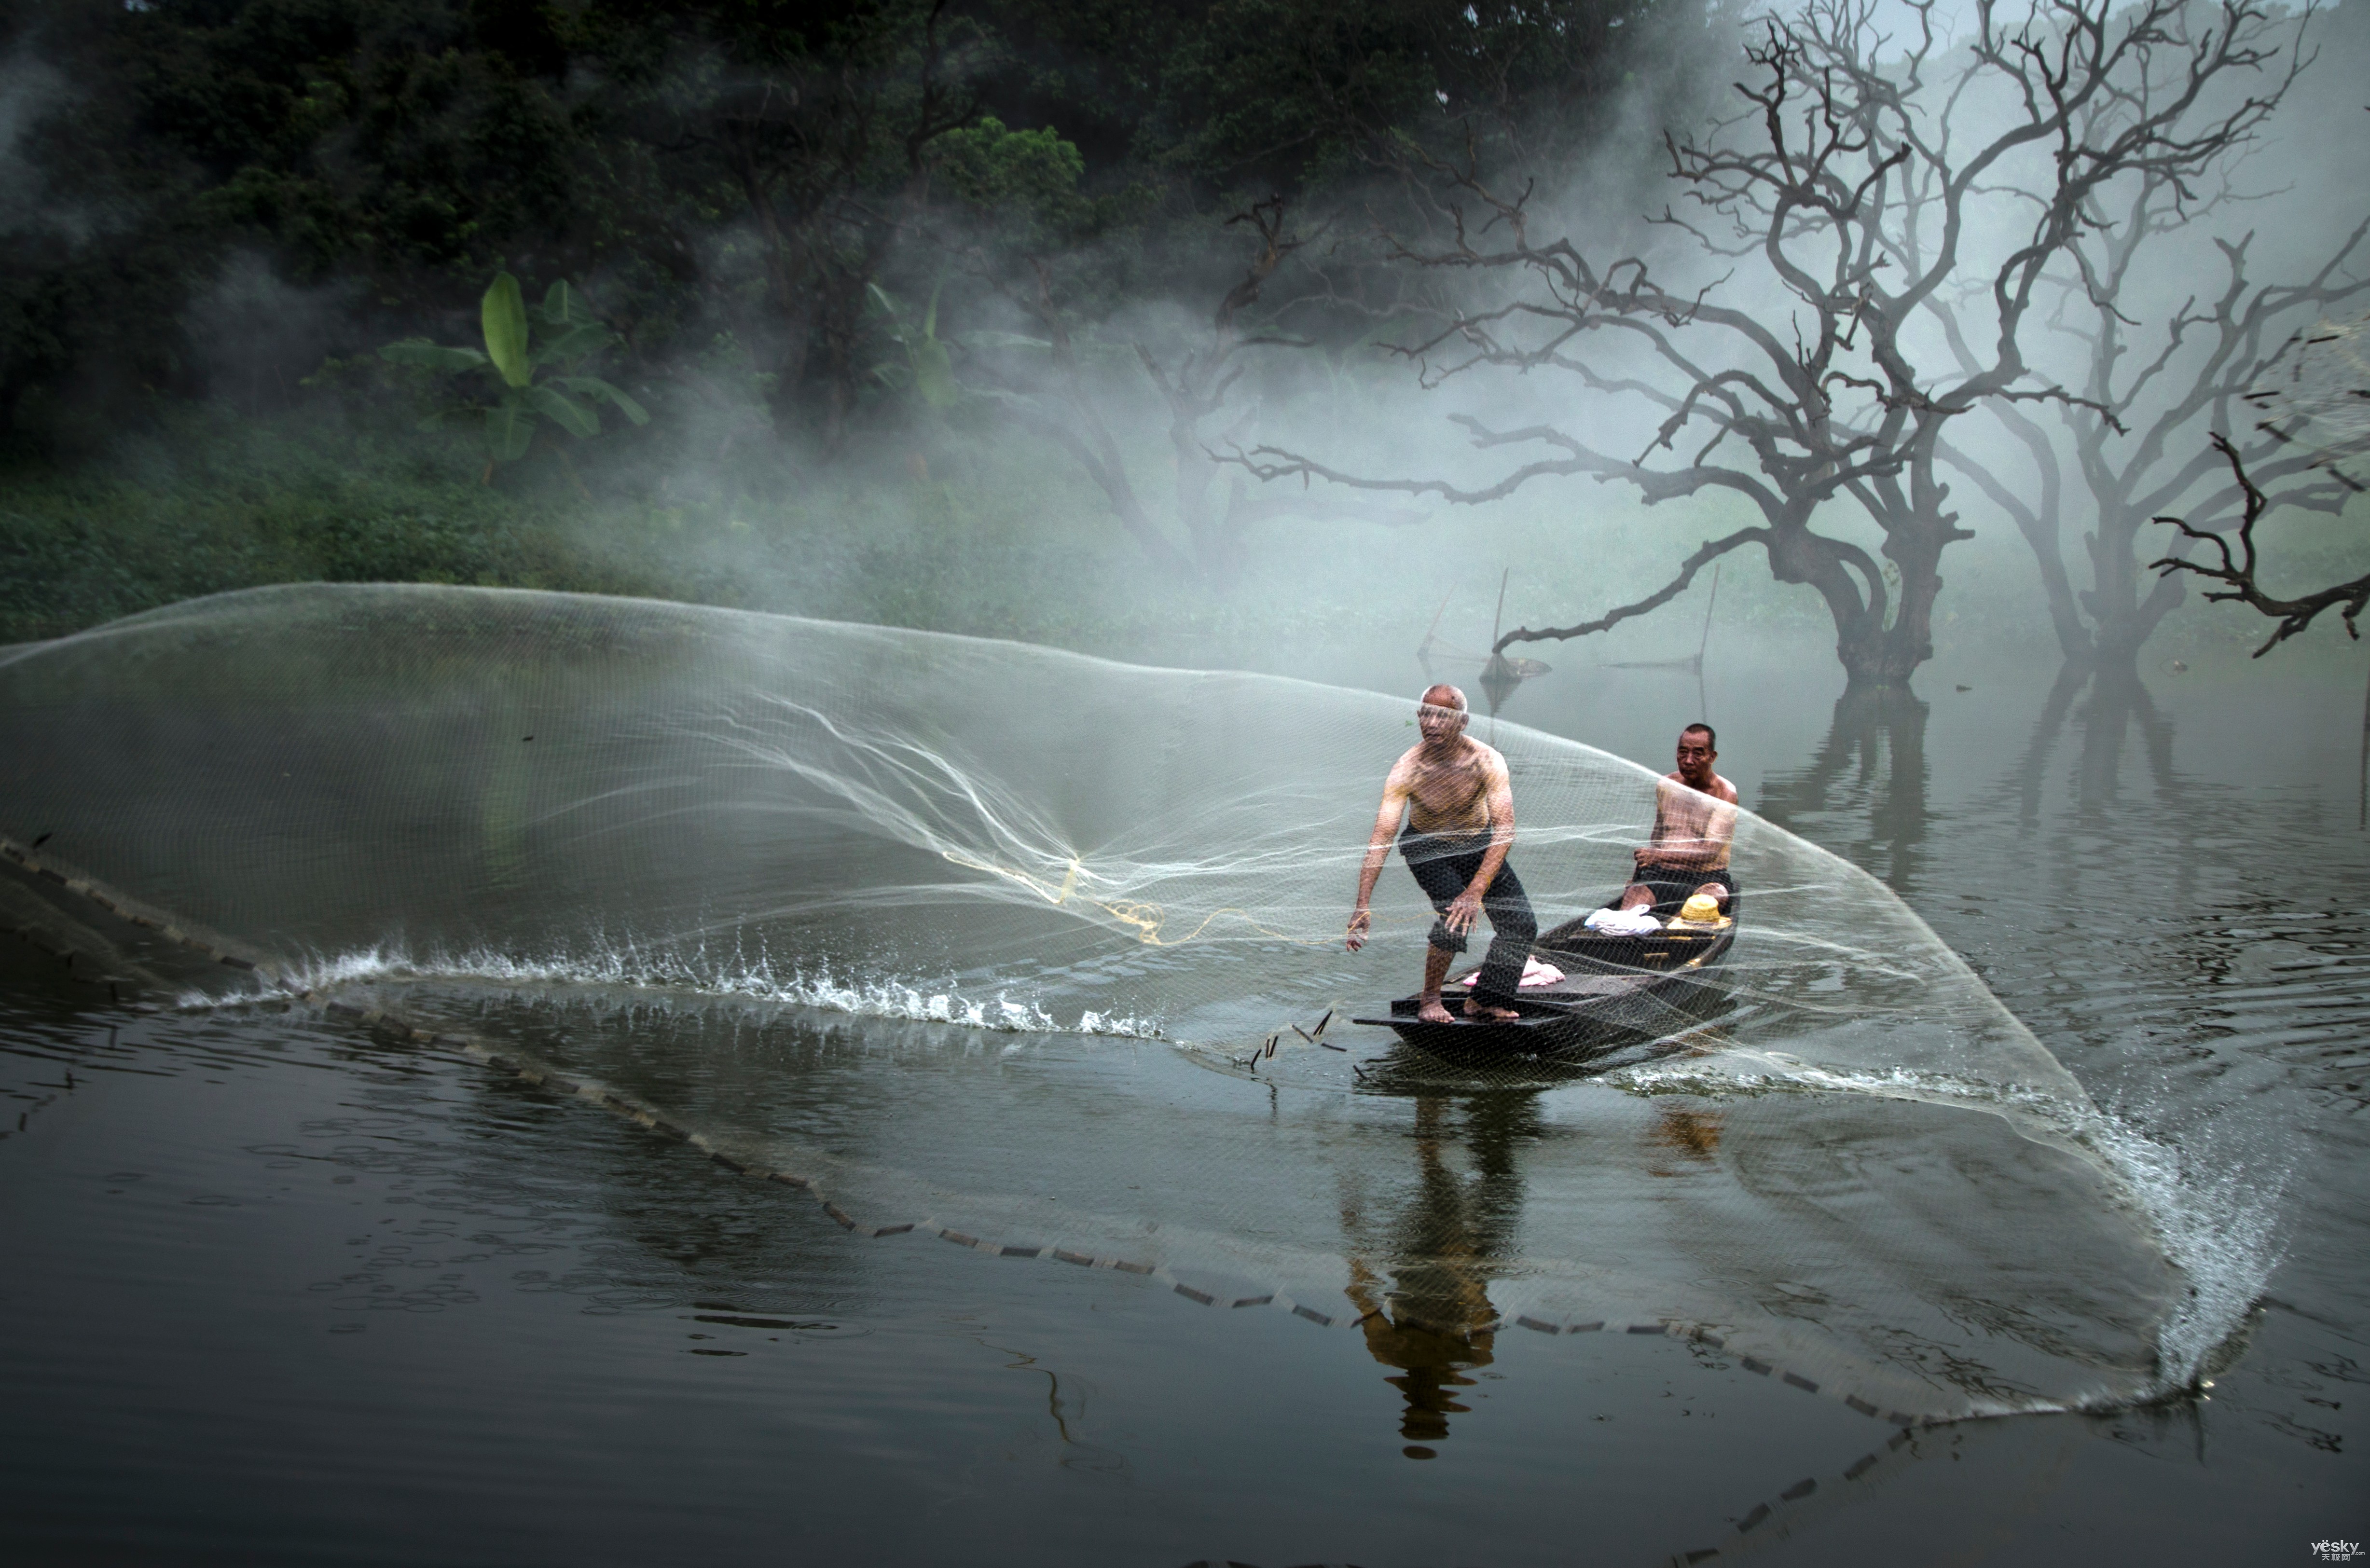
1694 818
1459 806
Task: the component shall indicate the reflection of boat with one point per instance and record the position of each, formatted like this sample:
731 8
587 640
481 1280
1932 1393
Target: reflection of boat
1614 989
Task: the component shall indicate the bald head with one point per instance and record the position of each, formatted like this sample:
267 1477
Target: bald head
1441 715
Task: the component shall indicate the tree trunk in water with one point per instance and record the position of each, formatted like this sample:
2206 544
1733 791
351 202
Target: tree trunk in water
2123 610
2064 617
1196 512
1911 509
1863 793
1876 655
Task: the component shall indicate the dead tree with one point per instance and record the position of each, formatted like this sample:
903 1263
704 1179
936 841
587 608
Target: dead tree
1196 386
2237 570
2127 443
1843 197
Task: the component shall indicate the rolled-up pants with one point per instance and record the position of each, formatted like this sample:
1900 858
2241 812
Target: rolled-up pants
1444 865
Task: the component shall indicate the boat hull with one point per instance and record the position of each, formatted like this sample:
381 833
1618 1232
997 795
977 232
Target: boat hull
1615 990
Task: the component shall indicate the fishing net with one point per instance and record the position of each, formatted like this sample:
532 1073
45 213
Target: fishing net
1043 955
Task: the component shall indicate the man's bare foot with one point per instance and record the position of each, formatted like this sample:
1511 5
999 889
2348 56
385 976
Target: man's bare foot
1495 1015
1432 1012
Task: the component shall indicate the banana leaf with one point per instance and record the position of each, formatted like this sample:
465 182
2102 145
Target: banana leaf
986 339
574 417
575 342
503 316
510 428
1084 348
934 374
564 307
600 391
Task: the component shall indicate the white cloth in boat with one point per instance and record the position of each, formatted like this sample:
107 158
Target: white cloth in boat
1534 976
1623 922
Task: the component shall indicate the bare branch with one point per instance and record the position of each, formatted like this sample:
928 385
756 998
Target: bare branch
2238 570
1712 550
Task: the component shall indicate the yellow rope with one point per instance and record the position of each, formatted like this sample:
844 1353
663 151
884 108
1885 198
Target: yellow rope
1143 920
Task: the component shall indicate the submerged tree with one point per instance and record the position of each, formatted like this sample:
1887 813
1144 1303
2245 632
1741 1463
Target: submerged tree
2318 399
2238 570
2129 443
1849 193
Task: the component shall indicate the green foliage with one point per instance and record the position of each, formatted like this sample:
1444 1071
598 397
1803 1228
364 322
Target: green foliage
720 168
215 503
569 334
770 202
504 313
1022 187
925 365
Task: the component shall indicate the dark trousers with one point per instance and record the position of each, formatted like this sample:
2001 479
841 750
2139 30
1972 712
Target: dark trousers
1444 865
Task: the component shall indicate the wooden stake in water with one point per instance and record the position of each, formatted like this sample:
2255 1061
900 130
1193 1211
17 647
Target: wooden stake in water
1497 677
1423 648
1703 704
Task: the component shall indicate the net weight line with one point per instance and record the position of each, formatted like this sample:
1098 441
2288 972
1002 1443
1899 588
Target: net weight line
1856 1480
525 1067
184 934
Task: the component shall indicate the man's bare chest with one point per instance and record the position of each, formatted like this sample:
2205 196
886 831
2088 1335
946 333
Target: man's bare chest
1448 786
1681 806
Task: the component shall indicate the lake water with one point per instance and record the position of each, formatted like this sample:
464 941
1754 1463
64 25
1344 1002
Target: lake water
280 1286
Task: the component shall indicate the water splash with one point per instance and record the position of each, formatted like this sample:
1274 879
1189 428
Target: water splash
629 966
2217 1218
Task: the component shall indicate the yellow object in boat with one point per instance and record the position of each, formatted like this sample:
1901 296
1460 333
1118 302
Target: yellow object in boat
1700 909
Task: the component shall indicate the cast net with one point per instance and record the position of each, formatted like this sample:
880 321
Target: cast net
1043 955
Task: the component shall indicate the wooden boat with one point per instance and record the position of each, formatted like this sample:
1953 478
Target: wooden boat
1615 990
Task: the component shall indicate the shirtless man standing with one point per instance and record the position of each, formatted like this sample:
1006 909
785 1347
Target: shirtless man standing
1694 818
1459 806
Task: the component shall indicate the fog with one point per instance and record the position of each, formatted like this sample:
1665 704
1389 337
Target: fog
1090 472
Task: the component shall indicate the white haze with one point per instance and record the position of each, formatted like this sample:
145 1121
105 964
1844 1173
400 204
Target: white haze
1579 545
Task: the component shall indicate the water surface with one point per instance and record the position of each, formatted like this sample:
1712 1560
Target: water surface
283 1289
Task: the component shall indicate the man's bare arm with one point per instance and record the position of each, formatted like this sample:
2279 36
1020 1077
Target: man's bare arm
1720 830
1396 789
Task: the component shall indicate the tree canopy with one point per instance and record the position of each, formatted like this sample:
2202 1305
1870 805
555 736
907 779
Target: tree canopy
733 171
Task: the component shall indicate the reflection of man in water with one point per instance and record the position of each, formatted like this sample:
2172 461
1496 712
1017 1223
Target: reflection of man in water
1459 806
1694 818
1434 1324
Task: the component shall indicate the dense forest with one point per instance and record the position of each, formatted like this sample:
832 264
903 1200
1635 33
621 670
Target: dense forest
936 312
768 193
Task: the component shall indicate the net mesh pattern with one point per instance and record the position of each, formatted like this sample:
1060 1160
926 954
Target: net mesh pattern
1024 946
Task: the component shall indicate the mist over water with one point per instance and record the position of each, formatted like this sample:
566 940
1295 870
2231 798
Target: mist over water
586 1078
1036 1105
